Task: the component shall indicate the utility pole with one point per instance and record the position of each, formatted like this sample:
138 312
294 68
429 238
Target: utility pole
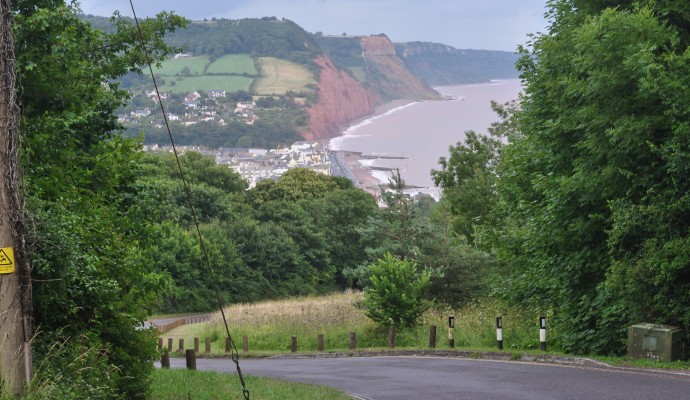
15 280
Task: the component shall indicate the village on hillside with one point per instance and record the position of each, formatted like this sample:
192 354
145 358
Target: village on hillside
195 107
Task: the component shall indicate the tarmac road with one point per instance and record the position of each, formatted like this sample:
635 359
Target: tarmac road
407 378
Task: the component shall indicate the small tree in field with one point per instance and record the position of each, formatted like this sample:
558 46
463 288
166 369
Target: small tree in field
395 296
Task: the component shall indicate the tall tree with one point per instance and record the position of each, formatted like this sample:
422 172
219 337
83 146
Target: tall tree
92 287
594 182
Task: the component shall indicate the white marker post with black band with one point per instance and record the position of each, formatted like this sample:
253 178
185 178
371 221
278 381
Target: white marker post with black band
499 333
542 332
451 331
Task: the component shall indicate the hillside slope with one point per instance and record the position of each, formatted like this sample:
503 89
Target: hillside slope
341 100
438 64
387 75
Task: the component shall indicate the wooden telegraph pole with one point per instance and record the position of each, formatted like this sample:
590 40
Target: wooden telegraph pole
15 347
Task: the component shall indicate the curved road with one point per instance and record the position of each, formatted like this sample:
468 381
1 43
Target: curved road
407 378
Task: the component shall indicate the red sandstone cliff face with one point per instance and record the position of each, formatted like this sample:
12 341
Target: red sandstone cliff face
387 74
341 100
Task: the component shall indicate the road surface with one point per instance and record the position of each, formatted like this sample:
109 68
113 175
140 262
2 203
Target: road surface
408 378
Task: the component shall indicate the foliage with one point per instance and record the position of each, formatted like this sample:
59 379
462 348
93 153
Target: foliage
594 186
264 133
89 272
399 227
396 293
268 37
468 179
461 272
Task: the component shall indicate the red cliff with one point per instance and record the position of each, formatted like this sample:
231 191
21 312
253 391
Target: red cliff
387 74
341 100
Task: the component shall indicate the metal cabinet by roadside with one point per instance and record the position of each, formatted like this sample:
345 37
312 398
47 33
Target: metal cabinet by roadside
655 342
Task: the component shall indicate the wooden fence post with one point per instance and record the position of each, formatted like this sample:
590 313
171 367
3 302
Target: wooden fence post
245 343
196 344
391 337
190 355
170 340
319 342
228 347
293 344
432 336
353 340
160 343
181 346
208 345
165 359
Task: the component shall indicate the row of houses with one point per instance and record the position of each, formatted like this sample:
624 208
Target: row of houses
255 165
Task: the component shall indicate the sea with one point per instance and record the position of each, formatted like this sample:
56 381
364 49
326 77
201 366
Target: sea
414 136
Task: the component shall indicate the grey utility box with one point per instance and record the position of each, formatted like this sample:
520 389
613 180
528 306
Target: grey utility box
655 342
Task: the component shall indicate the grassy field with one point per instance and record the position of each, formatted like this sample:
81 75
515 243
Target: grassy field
233 72
172 67
206 82
195 385
233 63
280 76
270 325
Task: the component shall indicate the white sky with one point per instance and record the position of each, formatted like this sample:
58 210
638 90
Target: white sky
463 24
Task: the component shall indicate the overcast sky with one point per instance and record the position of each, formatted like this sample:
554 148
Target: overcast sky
463 24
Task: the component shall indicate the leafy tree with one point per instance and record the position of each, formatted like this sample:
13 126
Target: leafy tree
90 277
397 228
396 295
593 183
468 179
460 272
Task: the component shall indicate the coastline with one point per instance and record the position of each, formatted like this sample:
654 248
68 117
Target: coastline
354 161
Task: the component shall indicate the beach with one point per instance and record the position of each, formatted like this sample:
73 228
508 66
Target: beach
358 165
412 136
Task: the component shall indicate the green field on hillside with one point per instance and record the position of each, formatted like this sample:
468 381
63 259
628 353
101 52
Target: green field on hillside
233 64
235 72
231 73
280 76
206 82
174 66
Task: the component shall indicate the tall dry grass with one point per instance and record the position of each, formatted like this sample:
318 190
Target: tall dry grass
270 325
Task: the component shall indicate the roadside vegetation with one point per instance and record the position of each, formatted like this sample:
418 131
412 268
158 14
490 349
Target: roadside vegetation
183 385
269 326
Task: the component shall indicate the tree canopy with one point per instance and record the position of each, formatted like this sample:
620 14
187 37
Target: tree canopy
590 203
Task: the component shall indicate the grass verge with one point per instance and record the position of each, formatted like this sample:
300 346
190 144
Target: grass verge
175 384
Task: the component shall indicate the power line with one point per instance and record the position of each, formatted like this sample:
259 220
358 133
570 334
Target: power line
235 354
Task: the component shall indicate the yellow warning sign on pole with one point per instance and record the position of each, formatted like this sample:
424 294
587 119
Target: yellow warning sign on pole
6 260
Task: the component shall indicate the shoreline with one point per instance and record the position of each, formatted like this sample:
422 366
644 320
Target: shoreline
362 173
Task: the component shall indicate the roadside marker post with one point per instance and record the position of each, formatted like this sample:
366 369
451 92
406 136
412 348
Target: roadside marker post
542 332
451 331
499 332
